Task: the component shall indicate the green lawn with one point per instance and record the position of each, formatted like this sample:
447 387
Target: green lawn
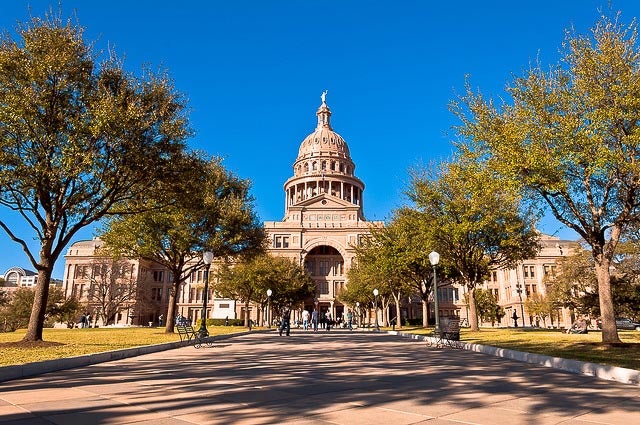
585 347
61 343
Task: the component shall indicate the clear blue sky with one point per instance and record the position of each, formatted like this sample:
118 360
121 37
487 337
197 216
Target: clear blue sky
253 72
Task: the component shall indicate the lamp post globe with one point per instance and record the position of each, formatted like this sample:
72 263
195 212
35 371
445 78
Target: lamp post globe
269 292
434 259
375 307
207 258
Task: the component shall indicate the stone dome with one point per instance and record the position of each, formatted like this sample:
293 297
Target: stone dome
323 141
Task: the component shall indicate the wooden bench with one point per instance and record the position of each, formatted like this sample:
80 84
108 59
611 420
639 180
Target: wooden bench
187 333
449 334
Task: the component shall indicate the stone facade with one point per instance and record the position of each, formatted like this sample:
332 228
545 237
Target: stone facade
324 217
323 221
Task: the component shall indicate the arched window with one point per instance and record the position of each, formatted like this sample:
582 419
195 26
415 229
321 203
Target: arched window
306 167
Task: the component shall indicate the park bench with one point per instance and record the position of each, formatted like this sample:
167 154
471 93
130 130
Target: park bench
449 334
187 333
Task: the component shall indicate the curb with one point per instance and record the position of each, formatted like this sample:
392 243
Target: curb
8 373
609 373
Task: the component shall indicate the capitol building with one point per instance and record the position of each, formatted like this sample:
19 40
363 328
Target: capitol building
323 220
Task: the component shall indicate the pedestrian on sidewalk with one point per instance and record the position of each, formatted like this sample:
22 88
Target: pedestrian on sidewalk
285 322
328 320
314 319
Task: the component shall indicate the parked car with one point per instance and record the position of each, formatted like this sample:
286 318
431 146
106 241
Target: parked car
625 323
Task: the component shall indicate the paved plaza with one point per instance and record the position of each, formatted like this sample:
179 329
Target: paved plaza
332 377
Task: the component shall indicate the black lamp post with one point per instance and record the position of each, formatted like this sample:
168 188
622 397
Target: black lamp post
519 291
269 292
207 258
375 306
434 259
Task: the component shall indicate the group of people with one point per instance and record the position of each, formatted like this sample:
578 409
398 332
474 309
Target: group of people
312 320
85 321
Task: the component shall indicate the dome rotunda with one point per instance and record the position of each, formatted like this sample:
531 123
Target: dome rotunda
323 141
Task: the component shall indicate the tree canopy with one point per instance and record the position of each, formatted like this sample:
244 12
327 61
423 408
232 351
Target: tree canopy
207 208
248 281
477 223
570 136
80 138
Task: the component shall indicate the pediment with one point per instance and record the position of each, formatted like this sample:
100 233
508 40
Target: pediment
324 201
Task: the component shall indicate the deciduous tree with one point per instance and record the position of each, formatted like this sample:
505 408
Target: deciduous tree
571 137
209 209
248 281
478 224
114 287
79 139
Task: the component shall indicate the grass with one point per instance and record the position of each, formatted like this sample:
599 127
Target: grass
61 343
586 347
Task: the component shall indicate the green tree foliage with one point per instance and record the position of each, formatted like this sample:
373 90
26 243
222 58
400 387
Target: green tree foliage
4 297
59 308
487 307
248 281
209 209
476 221
570 136
576 285
540 305
79 139
394 260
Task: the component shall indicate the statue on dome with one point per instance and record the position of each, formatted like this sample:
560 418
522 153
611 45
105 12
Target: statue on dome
323 96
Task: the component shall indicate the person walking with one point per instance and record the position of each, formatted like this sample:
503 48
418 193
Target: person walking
285 322
328 320
305 319
349 320
314 319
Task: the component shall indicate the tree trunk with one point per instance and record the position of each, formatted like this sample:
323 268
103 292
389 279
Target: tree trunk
609 330
398 318
38 310
425 314
473 311
246 314
173 305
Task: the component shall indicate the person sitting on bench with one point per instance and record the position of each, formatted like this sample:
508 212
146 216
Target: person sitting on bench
578 327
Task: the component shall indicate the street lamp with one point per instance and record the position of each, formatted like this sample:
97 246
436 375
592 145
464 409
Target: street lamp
358 310
434 259
519 291
375 307
269 292
207 258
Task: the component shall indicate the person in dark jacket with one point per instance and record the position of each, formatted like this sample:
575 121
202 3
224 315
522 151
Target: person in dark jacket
285 321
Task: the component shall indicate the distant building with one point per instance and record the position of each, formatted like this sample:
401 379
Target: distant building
18 277
513 286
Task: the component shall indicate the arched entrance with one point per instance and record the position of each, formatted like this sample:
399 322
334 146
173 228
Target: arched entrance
326 266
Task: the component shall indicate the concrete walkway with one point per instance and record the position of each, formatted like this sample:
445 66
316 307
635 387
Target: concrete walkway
335 377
